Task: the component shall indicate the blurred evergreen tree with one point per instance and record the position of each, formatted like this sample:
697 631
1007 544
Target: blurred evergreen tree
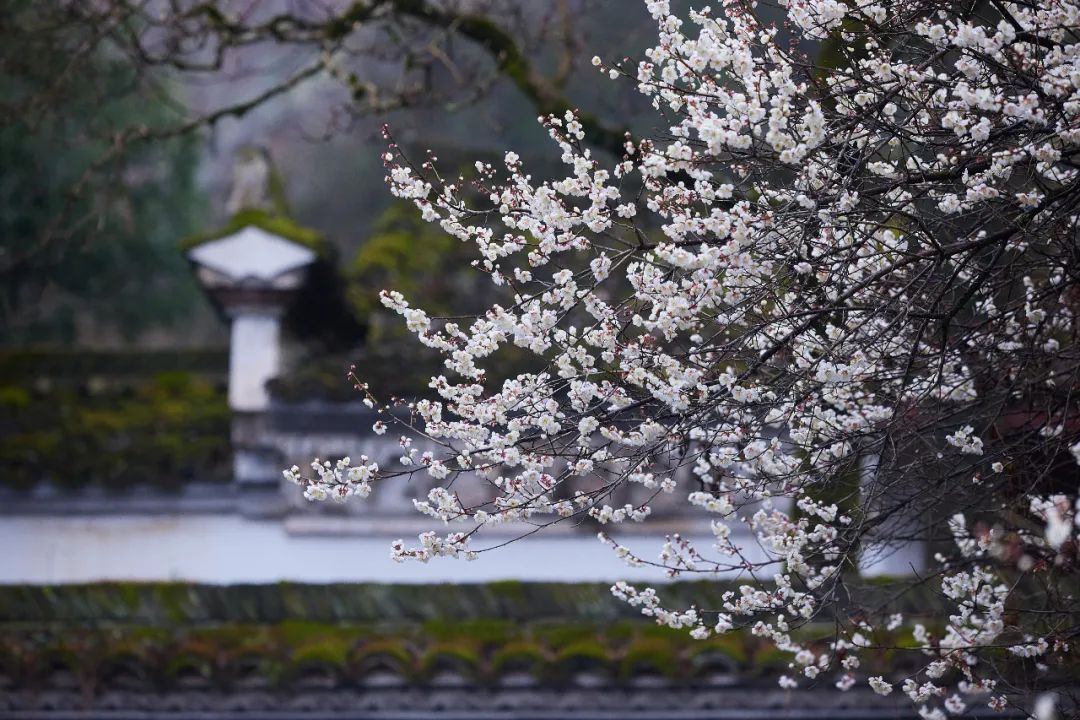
86 240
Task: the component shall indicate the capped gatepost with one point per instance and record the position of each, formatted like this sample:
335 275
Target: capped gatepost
251 268
252 274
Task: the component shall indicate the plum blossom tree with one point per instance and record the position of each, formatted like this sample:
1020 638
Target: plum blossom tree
832 304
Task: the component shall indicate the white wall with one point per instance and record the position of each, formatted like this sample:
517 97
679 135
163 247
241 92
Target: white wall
233 549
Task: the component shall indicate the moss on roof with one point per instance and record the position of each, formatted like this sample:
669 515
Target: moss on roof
489 610
283 654
272 222
180 636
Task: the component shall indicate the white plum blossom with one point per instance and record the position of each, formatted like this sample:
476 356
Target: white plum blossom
339 480
826 304
967 442
878 685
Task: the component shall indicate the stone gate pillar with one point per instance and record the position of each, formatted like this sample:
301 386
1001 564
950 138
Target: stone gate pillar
251 270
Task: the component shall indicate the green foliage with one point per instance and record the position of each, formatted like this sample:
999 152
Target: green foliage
166 432
14 398
86 235
407 254
54 367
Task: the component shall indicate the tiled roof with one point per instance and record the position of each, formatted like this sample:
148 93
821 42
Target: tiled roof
492 665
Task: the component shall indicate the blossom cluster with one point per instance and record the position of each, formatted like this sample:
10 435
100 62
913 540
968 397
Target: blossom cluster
834 297
339 481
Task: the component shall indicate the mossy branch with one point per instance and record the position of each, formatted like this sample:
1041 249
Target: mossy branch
514 64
